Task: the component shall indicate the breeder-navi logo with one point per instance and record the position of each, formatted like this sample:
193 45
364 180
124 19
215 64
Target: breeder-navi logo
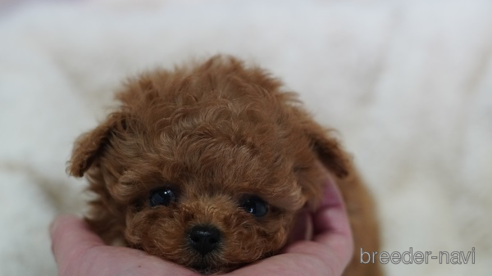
417 257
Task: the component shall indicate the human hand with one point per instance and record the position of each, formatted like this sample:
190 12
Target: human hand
80 252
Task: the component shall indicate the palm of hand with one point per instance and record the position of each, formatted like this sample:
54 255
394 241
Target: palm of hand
79 252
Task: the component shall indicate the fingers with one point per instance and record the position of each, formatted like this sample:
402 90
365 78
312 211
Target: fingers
339 238
71 236
80 252
331 223
332 241
302 227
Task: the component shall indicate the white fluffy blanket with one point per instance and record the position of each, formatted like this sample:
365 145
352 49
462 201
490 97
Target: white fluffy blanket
407 83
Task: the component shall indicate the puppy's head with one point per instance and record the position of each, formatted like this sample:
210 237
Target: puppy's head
206 165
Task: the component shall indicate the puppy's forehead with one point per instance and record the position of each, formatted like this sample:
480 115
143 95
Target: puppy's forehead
225 153
224 123
214 156
219 126
217 91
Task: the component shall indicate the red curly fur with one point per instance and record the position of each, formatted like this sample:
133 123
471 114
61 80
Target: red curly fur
213 132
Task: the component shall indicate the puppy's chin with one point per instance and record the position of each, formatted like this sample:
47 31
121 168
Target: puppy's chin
212 263
207 268
209 264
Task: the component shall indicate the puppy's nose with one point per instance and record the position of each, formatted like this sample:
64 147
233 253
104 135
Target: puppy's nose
204 238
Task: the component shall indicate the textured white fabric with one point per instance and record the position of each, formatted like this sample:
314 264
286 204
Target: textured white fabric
408 84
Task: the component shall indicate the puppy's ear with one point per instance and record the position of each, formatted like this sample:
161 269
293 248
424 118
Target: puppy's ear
90 146
328 149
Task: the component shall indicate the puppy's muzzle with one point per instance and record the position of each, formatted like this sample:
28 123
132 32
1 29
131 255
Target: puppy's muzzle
204 238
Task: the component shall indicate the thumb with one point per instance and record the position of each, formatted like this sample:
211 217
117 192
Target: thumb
71 236
303 227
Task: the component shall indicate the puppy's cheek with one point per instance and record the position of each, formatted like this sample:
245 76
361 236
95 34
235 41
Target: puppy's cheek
159 234
137 227
278 236
250 244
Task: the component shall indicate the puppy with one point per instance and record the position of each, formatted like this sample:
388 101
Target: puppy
208 165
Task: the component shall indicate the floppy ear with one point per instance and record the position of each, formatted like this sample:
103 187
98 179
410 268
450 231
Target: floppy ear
328 149
89 147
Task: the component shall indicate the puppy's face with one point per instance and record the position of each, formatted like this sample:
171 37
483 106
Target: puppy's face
205 166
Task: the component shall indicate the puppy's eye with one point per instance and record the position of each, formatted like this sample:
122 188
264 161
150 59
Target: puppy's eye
255 206
162 196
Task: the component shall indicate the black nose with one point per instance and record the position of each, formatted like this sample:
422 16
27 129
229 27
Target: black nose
204 238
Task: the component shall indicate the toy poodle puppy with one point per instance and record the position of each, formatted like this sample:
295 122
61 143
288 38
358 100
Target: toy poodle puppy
209 164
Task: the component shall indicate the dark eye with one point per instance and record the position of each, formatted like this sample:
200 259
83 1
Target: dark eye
255 206
163 196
